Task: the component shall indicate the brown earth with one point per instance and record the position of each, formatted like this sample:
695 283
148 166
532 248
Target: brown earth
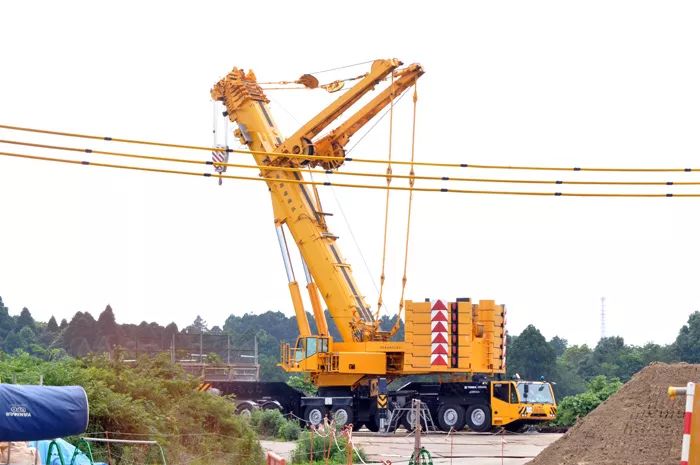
639 425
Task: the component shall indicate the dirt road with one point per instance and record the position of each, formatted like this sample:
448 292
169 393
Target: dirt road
456 449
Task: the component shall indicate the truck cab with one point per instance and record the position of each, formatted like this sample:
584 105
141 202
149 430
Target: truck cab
515 404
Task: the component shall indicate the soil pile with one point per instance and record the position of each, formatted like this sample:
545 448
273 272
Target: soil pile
638 425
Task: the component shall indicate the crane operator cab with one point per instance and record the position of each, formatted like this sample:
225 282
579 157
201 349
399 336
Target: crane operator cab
309 353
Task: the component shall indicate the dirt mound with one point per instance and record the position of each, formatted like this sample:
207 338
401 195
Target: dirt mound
639 425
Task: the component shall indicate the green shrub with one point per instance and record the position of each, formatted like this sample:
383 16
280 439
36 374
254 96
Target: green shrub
571 408
289 430
151 398
267 423
321 447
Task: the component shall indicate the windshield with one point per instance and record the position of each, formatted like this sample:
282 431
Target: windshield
537 393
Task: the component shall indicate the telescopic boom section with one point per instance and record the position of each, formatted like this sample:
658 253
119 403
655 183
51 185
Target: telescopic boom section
293 205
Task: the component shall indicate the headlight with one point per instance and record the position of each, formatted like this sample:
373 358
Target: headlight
529 409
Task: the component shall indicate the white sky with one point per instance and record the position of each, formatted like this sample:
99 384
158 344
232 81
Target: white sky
597 83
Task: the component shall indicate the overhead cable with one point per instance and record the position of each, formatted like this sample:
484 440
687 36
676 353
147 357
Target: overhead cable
354 173
363 160
358 186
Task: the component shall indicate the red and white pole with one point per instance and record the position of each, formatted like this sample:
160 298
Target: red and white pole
689 392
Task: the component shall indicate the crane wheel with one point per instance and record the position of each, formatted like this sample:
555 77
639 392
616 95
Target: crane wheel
272 405
515 427
314 415
451 417
408 420
341 415
479 418
373 424
246 408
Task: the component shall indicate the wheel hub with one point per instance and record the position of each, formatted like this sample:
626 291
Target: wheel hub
315 417
411 418
478 417
450 417
341 417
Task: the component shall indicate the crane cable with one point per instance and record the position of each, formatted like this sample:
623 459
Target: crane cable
356 186
354 173
382 276
404 279
359 160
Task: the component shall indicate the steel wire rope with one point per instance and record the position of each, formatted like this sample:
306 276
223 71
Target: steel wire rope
358 186
342 67
382 276
359 160
397 324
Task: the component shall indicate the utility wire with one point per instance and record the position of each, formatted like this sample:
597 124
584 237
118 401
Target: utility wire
353 173
360 186
360 160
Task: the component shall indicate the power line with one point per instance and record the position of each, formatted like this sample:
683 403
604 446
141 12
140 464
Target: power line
361 160
354 173
360 186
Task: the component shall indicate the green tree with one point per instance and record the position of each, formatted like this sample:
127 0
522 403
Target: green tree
52 326
559 345
108 331
11 342
80 334
687 344
25 319
530 355
198 326
7 323
302 383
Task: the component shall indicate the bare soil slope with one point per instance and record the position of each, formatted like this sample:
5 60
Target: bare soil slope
639 425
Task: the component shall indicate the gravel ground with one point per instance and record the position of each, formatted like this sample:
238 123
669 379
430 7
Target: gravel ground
456 449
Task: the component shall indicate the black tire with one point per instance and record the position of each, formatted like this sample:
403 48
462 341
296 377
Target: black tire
357 426
515 427
272 405
373 424
246 409
479 418
342 416
451 417
407 420
313 416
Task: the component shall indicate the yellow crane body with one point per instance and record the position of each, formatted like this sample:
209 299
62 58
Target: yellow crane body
451 339
469 337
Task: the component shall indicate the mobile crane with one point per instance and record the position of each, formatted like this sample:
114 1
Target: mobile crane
449 339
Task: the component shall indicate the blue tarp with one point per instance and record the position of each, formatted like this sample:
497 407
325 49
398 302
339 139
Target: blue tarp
67 450
32 413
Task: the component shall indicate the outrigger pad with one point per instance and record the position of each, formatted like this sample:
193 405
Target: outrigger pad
33 413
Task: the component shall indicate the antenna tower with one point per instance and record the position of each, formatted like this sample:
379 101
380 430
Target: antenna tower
602 317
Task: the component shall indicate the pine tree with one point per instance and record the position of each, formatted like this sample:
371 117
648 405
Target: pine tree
52 326
25 319
107 327
7 323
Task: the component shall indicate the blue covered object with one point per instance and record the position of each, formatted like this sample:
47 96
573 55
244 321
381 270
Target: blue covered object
32 413
66 450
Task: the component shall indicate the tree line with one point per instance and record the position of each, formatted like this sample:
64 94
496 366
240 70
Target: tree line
529 354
